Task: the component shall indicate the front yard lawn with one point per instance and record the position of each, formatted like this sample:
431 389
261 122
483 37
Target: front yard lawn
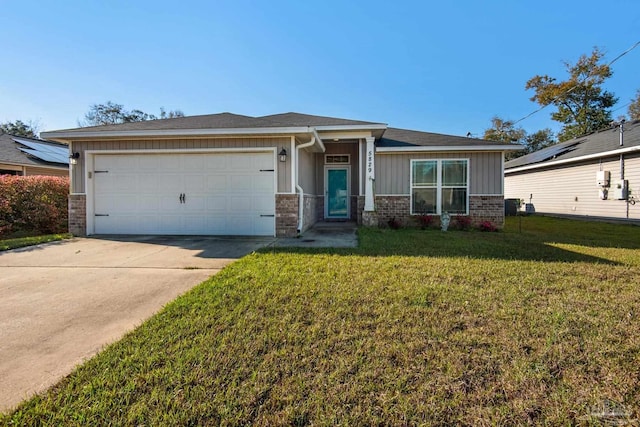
413 327
21 242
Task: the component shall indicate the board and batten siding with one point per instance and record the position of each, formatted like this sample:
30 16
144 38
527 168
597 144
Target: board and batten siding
393 171
572 190
306 171
34 170
283 168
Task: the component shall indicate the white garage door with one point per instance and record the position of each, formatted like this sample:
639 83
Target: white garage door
200 194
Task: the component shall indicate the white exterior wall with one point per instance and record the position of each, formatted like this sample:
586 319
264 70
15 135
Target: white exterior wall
571 189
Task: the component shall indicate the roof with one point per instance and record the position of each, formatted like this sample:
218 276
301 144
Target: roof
225 121
394 137
598 144
14 152
389 139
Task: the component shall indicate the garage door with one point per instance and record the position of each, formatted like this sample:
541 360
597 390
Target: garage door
200 194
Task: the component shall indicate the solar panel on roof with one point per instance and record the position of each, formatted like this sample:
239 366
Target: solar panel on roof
44 152
550 152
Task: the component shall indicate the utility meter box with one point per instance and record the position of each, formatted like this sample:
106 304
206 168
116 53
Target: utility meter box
621 189
603 178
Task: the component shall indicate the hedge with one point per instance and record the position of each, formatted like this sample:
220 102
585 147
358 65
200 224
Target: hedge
33 204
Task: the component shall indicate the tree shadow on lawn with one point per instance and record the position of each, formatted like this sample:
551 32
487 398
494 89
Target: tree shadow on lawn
459 244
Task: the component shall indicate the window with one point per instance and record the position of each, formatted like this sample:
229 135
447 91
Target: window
336 159
439 186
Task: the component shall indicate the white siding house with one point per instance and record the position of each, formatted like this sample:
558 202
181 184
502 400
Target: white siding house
567 178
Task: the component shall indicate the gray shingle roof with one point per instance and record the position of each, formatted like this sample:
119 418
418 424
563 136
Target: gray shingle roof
394 137
225 121
596 143
9 152
391 137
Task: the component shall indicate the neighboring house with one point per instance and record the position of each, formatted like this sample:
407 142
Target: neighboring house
596 175
228 174
27 156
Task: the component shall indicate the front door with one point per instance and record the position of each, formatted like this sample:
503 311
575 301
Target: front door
337 192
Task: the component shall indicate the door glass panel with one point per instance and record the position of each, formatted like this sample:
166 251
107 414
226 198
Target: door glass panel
337 197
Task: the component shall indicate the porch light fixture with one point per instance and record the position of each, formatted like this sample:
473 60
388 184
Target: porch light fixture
283 155
73 158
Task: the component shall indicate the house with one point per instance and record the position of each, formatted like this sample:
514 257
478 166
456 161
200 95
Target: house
28 156
229 174
595 176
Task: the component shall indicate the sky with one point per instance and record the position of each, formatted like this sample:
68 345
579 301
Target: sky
436 66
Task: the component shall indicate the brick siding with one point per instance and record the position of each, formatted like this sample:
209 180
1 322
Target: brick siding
481 208
487 208
78 214
286 215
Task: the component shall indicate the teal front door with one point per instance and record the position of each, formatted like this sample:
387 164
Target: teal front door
337 193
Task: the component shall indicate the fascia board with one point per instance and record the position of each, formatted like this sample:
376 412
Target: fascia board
55 135
418 149
573 160
351 127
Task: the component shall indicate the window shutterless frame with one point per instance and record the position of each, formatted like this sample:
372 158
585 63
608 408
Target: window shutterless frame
439 188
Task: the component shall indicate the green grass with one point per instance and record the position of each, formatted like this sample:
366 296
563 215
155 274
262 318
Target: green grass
20 242
413 327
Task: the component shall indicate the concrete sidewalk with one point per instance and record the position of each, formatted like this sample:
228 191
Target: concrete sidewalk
63 301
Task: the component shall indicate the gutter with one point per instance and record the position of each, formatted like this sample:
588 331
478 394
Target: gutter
424 148
64 135
573 160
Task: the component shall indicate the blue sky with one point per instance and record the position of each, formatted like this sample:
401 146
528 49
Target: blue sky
443 67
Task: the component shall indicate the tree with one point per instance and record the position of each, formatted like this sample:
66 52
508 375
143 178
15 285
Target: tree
111 113
20 128
505 131
634 107
171 114
582 105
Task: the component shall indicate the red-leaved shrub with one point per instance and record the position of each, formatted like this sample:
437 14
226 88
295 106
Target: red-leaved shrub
33 203
487 226
426 221
461 222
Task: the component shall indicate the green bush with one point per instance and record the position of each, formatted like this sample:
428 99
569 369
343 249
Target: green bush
33 204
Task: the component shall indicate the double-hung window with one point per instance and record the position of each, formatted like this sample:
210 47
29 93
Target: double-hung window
439 186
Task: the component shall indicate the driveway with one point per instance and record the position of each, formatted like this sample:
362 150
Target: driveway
62 302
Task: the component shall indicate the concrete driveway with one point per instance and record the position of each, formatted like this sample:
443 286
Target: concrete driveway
61 302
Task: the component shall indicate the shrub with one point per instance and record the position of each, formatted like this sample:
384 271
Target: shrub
461 222
394 224
426 221
33 204
487 226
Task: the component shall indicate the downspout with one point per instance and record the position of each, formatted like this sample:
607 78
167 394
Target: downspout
298 187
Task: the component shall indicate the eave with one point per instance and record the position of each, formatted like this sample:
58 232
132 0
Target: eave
573 159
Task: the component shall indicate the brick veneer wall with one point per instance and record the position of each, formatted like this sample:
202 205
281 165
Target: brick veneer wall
286 215
398 207
310 211
487 208
78 214
481 208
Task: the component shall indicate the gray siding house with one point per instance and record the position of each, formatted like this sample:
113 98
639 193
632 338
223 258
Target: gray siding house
596 176
277 175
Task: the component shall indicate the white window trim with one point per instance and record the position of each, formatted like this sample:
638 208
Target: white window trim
439 185
335 155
